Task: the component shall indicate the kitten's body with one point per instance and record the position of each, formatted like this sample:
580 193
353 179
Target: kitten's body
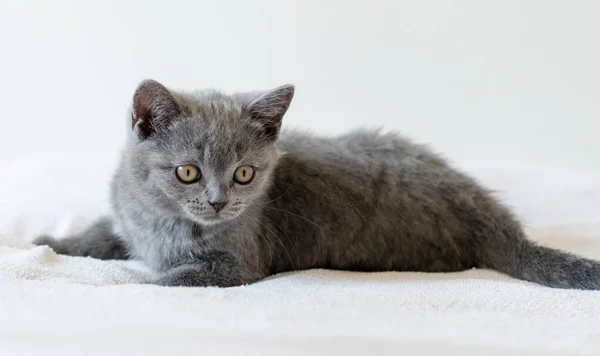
376 202
363 201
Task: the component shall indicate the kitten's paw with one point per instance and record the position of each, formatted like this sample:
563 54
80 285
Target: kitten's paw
179 280
47 240
197 276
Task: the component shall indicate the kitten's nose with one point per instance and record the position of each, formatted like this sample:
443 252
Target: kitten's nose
217 205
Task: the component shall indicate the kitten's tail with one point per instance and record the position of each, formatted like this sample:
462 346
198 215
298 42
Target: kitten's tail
547 266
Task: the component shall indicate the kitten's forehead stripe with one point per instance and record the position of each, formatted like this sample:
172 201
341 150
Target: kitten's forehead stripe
216 159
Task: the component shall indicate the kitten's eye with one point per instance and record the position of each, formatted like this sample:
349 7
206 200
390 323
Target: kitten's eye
187 173
243 174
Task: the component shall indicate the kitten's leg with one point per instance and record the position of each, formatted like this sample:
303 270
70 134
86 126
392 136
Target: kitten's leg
97 241
218 269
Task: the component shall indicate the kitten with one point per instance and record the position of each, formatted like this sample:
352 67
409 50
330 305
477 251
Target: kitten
210 193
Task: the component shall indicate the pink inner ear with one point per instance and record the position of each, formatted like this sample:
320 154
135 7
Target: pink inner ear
133 120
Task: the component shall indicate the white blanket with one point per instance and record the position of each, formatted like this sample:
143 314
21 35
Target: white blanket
58 305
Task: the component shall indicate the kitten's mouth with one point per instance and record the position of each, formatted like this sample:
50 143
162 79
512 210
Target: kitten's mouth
208 216
215 218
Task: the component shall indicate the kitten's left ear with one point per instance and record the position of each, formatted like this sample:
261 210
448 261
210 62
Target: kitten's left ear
153 107
268 109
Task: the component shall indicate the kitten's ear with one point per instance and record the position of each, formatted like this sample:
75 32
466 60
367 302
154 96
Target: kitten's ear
268 109
153 107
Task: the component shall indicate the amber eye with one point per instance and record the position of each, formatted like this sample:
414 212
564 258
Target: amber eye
243 174
187 173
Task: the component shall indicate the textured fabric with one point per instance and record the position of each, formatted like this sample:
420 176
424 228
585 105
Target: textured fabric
58 305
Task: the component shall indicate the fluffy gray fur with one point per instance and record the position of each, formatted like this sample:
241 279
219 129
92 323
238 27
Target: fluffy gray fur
363 201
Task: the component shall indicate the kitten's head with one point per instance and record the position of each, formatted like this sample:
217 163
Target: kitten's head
204 156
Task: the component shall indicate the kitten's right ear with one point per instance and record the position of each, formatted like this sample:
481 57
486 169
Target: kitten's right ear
268 109
153 107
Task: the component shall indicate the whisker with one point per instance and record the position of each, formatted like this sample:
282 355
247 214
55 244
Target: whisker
290 241
279 241
279 197
258 229
296 215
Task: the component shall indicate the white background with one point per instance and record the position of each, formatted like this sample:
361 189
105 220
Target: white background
488 83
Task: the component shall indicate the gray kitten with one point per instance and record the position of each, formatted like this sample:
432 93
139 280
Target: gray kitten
209 193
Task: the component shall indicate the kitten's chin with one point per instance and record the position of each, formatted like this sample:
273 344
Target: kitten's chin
213 219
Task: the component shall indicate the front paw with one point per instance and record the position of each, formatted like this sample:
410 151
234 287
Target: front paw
169 280
197 276
47 240
182 278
